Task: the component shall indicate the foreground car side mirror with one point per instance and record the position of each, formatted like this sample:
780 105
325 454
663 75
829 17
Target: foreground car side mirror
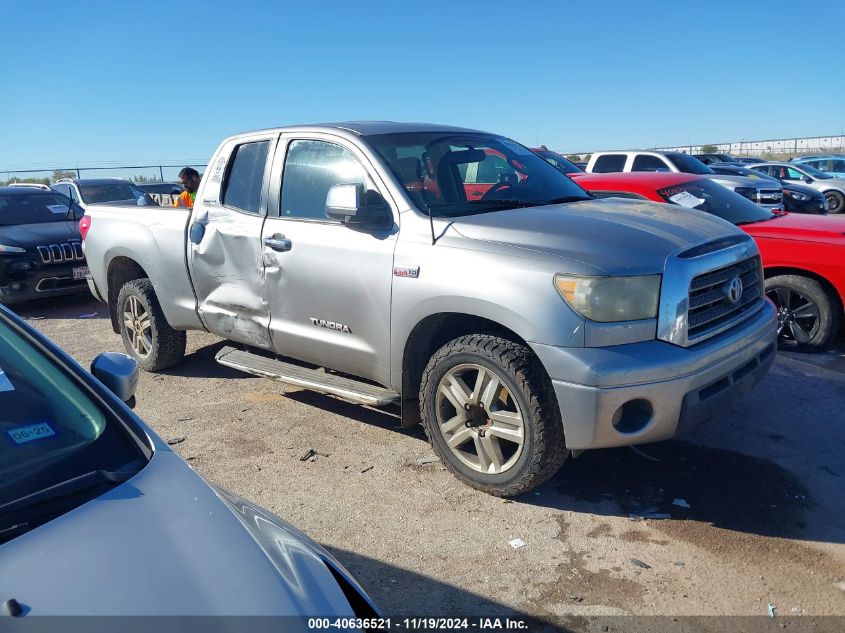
118 372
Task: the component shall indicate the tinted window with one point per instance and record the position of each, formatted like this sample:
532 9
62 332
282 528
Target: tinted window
649 163
51 430
242 189
706 195
562 164
33 208
61 188
609 163
688 164
311 169
95 193
452 174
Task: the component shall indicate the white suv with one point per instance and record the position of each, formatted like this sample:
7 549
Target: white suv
765 193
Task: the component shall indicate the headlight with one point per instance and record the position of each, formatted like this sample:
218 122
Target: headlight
747 192
797 195
11 249
610 299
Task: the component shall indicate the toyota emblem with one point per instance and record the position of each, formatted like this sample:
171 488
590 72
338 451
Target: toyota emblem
735 290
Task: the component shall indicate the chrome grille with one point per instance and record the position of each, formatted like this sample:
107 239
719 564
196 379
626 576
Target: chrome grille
711 307
61 253
769 196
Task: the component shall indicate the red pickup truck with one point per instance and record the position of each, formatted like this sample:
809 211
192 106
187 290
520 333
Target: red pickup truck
803 255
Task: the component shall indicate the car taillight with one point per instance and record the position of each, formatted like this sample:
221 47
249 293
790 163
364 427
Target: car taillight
84 225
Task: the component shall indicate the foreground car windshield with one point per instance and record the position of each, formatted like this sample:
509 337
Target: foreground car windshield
562 164
712 197
111 192
52 431
449 174
33 208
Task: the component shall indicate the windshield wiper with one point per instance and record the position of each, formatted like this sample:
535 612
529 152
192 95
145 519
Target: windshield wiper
67 488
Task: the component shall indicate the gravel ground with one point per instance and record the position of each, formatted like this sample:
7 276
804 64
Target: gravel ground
765 483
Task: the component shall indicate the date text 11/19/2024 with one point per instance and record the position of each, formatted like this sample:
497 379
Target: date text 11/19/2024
418 624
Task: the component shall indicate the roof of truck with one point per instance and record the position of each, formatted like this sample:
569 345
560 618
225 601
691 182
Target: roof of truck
369 128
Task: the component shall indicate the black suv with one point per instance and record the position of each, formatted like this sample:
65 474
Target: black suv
40 245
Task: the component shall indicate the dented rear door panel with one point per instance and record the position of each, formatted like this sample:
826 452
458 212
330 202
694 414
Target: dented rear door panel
225 253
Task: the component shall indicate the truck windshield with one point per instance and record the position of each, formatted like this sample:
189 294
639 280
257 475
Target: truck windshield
688 164
448 174
54 436
34 208
712 197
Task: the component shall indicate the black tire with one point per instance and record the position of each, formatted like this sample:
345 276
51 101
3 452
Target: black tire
165 347
835 201
526 387
808 316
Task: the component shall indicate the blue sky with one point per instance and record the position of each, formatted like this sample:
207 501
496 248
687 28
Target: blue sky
158 81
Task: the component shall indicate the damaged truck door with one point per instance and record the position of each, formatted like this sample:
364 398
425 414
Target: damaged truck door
225 252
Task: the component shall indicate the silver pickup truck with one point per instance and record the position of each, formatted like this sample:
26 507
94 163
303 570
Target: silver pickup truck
452 271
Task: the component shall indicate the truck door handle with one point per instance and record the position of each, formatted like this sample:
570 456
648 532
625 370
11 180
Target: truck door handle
278 242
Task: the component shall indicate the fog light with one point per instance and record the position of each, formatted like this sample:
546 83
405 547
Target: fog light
16 285
632 416
20 266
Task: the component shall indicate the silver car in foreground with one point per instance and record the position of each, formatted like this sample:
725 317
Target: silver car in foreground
98 516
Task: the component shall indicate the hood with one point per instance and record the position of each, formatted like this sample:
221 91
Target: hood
809 191
797 226
32 235
732 182
165 543
616 237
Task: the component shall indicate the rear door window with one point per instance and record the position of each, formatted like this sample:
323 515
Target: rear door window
609 163
645 162
242 189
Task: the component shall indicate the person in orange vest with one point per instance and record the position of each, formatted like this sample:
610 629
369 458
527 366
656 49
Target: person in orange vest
190 179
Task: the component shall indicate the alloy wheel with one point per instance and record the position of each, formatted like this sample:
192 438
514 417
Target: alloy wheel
480 419
798 316
139 328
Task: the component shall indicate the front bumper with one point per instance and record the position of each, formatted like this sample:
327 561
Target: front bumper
41 283
672 388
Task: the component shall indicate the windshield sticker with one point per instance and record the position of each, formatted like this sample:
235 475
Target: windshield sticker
516 148
58 209
30 432
686 199
5 383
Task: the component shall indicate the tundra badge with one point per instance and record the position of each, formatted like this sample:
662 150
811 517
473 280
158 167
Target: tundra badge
332 325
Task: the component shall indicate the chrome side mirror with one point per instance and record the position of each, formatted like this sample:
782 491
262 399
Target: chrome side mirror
346 202
118 372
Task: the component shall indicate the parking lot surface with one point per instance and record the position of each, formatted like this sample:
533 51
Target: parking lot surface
764 482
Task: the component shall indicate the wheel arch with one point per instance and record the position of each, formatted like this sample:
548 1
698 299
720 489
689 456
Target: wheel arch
434 331
121 270
775 271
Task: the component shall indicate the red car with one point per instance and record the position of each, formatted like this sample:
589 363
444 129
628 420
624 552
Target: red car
803 255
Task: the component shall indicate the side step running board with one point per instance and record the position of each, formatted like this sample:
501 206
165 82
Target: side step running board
346 388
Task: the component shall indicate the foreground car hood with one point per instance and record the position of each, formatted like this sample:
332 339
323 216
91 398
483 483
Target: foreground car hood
32 235
797 226
164 543
614 237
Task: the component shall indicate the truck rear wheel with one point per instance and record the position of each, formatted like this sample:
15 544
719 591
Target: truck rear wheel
491 415
146 334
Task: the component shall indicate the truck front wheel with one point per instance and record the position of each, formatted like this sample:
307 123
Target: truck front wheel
146 334
491 415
